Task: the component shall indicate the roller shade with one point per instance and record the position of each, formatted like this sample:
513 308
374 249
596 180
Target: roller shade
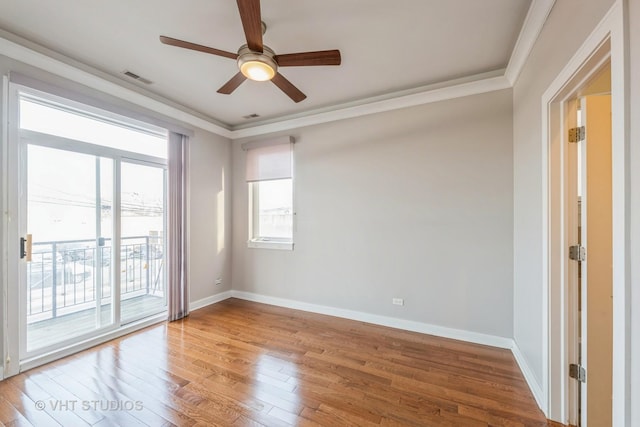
269 160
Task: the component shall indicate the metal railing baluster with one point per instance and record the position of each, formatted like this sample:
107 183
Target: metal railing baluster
72 268
54 280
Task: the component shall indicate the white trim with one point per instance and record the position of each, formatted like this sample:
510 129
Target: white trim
84 345
408 325
4 204
531 29
338 112
100 81
195 305
62 143
93 79
621 203
262 244
611 26
84 104
21 206
11 199
529 377
392 322
53 62
38 56
591 44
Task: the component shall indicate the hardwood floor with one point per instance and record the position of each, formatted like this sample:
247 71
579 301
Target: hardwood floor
238 363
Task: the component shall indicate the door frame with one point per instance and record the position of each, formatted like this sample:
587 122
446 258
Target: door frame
30 138
14 159
606 43
165 223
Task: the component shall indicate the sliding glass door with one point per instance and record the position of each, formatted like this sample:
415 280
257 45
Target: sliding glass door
142 219
92 206
69 219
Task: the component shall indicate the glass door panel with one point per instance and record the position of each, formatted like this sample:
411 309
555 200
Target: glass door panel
69 215
142 253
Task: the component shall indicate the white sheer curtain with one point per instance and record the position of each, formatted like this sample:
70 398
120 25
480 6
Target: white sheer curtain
178 289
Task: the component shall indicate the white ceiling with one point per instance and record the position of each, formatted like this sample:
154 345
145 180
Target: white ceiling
387 46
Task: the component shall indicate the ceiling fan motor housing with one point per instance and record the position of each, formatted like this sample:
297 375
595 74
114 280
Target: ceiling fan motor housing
255 60
258 66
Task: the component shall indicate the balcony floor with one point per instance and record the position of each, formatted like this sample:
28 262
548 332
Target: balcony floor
50 331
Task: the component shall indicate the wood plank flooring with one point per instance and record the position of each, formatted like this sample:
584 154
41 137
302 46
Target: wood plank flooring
238 363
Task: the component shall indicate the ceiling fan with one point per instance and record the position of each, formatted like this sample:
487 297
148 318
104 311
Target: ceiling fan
259 62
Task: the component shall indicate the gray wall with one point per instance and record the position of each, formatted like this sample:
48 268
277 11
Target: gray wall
415 203
569 24
209 215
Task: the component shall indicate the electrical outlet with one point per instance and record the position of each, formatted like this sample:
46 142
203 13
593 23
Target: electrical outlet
218 281
398 301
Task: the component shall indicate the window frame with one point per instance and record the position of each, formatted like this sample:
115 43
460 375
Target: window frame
253 213
14 143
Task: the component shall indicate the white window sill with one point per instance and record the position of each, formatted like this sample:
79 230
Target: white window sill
270 244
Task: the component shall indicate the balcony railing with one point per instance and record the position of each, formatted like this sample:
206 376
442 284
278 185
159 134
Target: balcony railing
69 276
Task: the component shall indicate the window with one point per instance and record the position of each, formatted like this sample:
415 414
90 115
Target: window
87 124
272 210
270 181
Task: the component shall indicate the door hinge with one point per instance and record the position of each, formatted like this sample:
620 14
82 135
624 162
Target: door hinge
577 372
577 253
577 134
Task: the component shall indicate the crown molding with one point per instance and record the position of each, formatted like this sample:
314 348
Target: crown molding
536 17
450 90
37 56
40 57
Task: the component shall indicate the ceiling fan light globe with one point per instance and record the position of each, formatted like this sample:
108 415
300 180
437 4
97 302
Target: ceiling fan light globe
257 71
257 66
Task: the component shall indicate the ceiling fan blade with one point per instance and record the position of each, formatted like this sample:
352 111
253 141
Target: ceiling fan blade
287 87
252 23
322 57
188 45
232 84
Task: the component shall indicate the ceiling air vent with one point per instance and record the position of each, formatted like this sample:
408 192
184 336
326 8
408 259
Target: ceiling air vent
251 116
137 77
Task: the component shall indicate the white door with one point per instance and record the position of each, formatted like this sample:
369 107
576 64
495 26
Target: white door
597 272
589 207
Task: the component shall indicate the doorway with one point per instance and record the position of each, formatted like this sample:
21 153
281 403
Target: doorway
590 274
91 204
559 102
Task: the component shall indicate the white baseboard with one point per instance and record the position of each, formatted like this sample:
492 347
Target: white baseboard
1 373
535 388
194 305
408 325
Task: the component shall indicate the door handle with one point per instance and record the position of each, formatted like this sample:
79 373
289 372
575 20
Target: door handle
25 247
